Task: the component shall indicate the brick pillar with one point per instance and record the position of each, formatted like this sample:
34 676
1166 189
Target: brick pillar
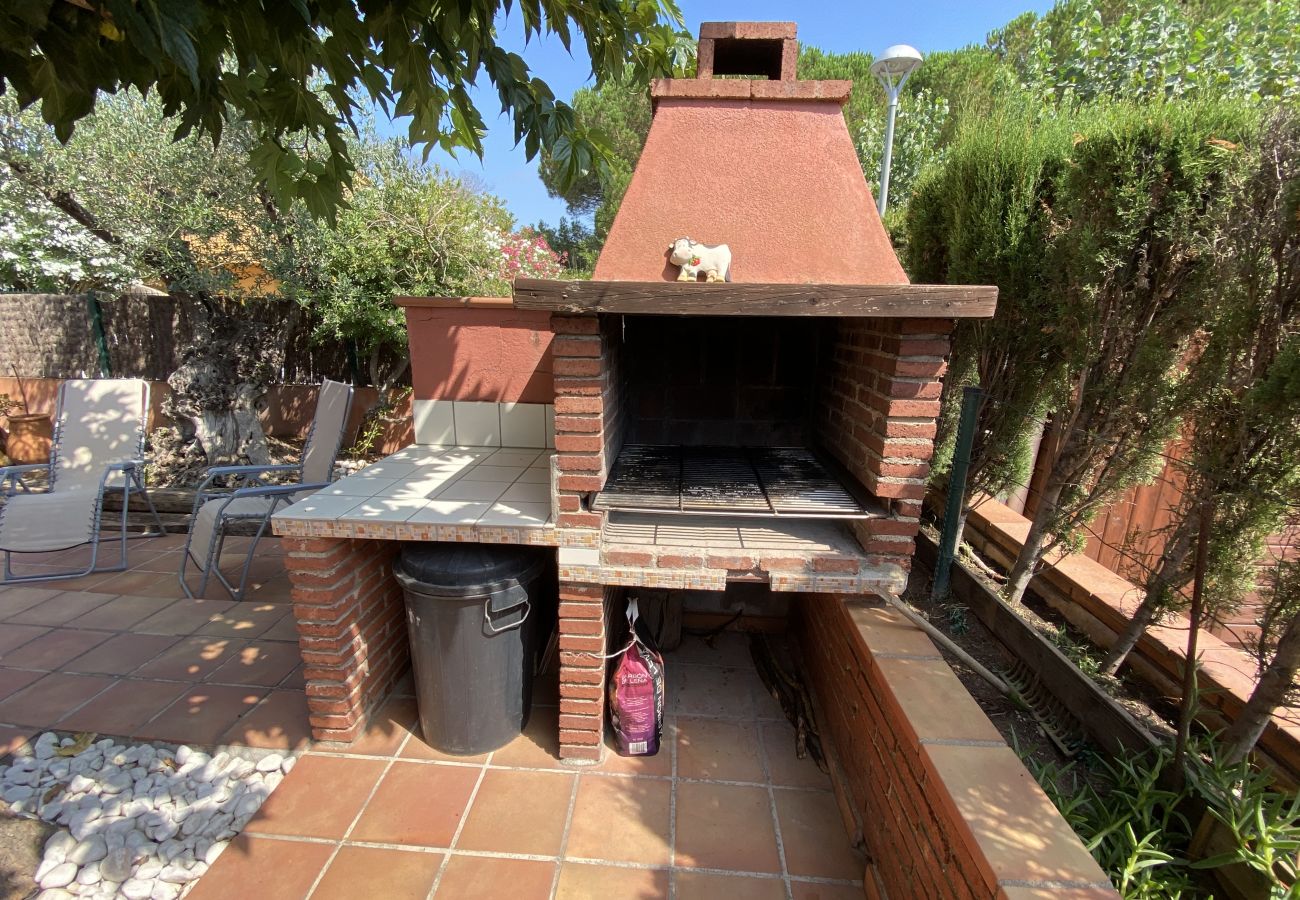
582 671
351 629
587 413
881 399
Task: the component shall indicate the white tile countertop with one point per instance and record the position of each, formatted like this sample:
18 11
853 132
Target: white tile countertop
435 493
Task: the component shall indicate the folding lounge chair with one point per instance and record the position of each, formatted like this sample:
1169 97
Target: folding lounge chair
99 430
247 498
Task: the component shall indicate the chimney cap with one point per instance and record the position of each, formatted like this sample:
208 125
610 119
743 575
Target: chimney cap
748 31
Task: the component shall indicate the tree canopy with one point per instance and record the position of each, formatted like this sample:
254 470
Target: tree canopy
300 74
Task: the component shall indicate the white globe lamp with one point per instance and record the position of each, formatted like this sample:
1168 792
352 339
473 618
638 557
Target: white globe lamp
892 69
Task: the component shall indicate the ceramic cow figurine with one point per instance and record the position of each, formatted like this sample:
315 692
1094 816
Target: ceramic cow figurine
694 258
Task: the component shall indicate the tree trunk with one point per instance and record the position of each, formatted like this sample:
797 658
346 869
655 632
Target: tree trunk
1269 694
1161 589
1031 553
217 392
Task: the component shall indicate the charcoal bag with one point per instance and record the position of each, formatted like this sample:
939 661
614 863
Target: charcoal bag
636 692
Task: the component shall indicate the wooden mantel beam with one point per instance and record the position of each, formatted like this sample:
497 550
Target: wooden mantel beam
673 298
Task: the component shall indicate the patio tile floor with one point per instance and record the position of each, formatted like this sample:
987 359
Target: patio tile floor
725 809
125 654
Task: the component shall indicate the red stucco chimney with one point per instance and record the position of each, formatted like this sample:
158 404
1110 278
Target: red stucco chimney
764 164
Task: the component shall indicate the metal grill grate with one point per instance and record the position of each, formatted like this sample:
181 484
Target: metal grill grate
734 481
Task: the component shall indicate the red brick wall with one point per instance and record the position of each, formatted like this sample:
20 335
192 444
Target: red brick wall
588 414
351 629
947 810
583 627
880 397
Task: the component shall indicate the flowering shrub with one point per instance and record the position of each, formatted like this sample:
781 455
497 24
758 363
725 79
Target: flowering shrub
42 250
527 254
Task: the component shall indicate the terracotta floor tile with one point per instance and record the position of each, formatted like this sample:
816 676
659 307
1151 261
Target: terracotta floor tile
121 654
162 562
286 629
620 820
319 798
783 762
518 812
812 890
191 658
123 708
479 878
142 584
730 648
183 616
294 681
275 590
44 702
52 650
583 881
379 873
718 750
264 663
121 613
417 803
263 868
538 747
386 730
416 748
245 620
11 739
279 722
14 680
661 764
723 826
61 608
701 886
14 600
813 835
713 691
203 713
14 636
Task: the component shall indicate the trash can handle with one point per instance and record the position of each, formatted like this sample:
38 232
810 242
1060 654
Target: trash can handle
519 595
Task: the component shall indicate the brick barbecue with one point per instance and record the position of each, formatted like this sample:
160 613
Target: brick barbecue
768 434
817 351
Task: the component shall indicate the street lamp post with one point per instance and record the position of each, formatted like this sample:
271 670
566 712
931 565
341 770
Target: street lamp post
892 70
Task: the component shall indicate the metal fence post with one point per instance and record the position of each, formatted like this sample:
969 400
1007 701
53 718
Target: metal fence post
97 330
970 402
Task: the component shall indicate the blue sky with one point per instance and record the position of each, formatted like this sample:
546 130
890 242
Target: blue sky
869 25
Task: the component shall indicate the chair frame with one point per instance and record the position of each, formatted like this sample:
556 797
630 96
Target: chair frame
247 481
11 483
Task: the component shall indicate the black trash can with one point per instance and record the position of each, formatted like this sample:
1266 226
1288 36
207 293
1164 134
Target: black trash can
471 620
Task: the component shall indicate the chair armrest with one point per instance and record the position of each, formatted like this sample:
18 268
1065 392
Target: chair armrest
14 475
244 473
278 490
124 466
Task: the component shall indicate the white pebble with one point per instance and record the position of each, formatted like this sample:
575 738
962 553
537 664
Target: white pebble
59 845
149 869
117 865
177 875
55 894
45 745
80 784
136 889
61 875
289 762
92 849
270 763
214 852
16 793
89 874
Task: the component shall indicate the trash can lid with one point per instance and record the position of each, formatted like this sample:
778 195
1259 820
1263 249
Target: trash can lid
465 570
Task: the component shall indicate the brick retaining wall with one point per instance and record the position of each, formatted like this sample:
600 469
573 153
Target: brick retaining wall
946 808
